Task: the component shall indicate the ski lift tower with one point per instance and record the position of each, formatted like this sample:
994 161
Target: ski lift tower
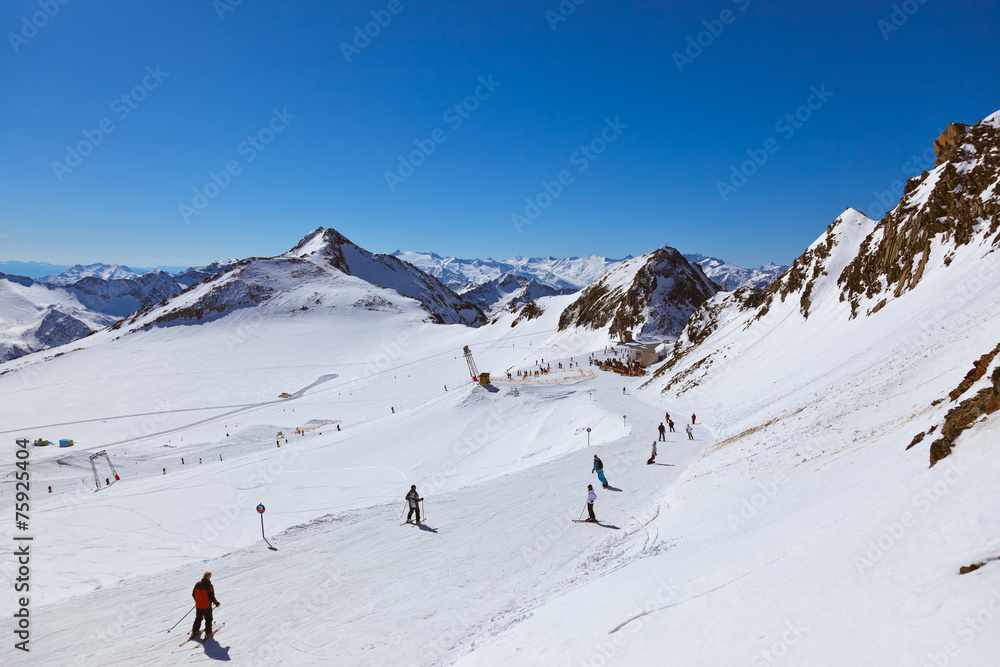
93 465
482 378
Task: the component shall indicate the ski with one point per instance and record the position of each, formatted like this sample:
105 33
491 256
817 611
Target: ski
584 521
190 637
410 522
201 640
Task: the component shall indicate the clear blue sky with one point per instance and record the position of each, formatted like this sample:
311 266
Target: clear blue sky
888 93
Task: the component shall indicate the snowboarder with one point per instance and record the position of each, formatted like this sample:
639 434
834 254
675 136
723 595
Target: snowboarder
693 417
670 422
652 459
599 469
204 598
413 498
663 432
591 497
688 429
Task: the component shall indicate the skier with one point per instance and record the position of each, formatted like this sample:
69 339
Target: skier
414 499
599 469
204 598
671 423
591 497
652 459
666 416
688 429
663 432
693 417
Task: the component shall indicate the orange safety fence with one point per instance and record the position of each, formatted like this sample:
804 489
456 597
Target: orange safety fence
547 378
301 431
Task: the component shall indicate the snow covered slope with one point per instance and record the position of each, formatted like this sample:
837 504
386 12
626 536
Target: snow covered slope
34 316
651 296
324 271
802 525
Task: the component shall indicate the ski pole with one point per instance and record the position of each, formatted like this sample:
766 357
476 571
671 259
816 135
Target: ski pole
182 618
405 505
422 510
582 511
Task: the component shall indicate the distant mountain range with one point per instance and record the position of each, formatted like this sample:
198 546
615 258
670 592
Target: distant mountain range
463 274
730 276
69 303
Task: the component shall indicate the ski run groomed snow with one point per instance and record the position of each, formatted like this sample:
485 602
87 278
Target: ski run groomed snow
798 527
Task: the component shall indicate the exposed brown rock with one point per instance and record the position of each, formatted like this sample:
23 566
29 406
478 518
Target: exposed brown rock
893 260
946 146
985 402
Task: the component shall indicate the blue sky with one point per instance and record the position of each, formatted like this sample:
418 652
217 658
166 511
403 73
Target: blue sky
237 128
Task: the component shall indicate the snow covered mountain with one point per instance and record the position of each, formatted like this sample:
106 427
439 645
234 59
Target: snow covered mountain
510 291
196 274
79 272
36 316
836 503
324 270
730 276
463 274
651 296
124 296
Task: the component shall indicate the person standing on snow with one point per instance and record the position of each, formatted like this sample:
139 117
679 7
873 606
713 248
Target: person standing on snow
666 416
414 499
688 429
652 459
599 469
591 497
671 423
663 432
693 417
204 598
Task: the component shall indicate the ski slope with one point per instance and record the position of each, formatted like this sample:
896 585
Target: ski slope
796 529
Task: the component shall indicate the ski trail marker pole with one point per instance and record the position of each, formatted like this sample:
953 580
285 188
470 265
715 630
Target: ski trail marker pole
260 510
182 618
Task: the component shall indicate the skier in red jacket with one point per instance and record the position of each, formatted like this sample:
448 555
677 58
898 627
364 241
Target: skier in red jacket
204 598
